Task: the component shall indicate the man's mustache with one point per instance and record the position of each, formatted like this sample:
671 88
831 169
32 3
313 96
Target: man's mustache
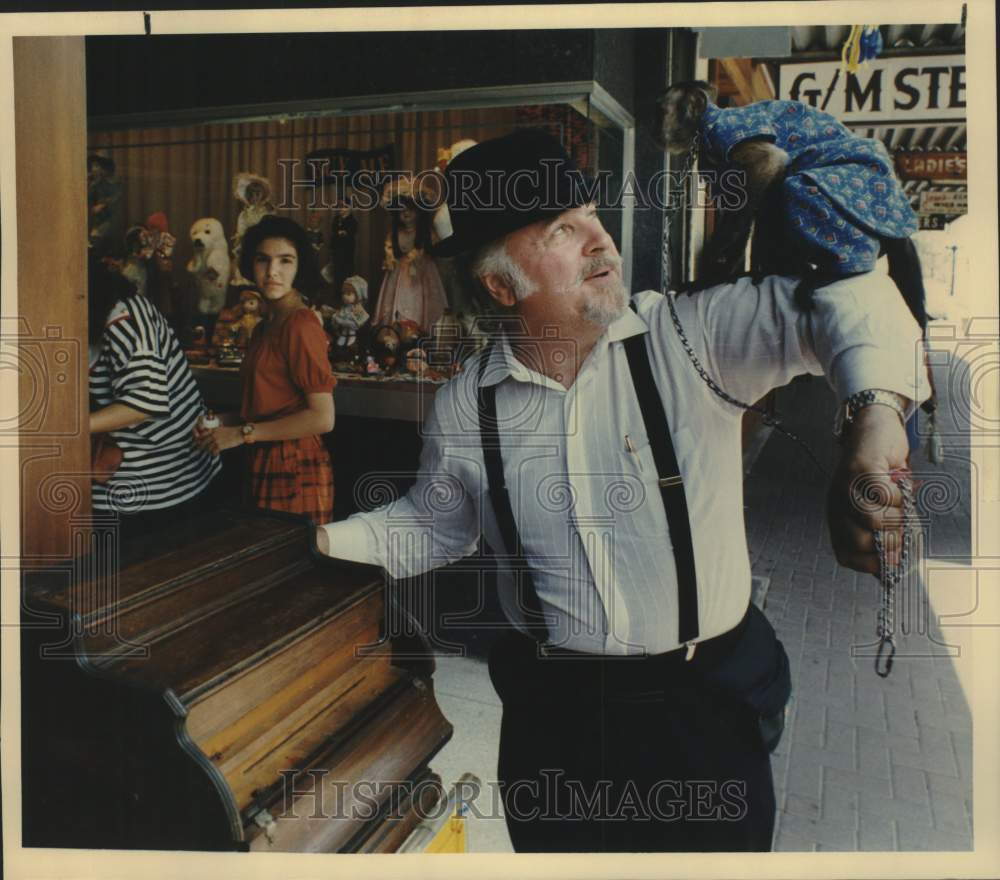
599 264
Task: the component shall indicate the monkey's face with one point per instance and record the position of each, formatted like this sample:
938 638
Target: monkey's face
678 122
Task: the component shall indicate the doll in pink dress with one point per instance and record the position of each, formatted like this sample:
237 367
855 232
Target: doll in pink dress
411 287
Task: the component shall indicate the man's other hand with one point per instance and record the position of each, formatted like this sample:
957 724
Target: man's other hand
863 496
322 541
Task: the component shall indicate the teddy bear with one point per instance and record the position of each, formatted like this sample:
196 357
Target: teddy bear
210 264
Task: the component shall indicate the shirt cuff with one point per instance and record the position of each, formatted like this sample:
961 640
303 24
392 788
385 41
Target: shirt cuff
868 367
351 539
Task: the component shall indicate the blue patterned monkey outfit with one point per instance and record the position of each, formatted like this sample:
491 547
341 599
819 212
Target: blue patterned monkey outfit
839 191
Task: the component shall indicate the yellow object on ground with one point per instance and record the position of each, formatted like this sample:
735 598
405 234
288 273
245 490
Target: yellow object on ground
451 837
446 831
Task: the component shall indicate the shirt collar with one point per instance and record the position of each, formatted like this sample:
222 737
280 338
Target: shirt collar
503 364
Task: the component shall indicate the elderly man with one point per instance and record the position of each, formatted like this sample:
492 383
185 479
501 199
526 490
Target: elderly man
641 692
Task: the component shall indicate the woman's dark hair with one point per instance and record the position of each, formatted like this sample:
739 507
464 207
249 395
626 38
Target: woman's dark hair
307 278
105 287
424 226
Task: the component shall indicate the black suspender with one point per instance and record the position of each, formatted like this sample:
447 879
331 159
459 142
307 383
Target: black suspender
671 484
671 489
527 598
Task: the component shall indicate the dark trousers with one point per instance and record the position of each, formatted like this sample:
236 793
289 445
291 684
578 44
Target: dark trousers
627 755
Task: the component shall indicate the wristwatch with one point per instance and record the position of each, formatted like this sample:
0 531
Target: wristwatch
847 413
247 431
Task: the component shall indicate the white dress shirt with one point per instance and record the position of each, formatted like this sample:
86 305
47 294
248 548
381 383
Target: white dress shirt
588 507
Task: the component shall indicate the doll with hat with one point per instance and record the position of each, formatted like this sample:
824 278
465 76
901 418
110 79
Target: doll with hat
251 305
254 193
351 315
235 324
411 287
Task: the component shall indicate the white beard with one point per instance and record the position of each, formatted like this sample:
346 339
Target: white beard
603 310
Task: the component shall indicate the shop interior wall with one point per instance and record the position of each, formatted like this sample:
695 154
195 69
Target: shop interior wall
188 172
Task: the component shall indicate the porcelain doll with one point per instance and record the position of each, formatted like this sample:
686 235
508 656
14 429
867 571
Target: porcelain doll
411 287
254 193
351 315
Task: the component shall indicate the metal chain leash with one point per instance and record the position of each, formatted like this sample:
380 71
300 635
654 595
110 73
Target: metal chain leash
889 576
768 419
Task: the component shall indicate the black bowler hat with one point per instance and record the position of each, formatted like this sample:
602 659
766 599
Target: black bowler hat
504 184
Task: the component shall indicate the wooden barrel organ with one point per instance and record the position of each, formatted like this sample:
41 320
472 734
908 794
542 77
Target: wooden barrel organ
227 688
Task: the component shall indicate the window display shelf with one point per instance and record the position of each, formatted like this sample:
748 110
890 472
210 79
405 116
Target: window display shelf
372 397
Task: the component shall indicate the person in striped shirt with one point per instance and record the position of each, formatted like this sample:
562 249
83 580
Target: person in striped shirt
143 395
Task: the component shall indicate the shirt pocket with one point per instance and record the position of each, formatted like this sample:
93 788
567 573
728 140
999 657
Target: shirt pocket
634 498
639 469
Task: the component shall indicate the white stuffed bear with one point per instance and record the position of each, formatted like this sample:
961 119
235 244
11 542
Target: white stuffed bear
210 264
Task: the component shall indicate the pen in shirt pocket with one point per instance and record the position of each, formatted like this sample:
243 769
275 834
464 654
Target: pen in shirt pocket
630 447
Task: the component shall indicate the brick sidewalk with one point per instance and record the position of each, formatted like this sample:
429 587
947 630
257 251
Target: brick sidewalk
866 763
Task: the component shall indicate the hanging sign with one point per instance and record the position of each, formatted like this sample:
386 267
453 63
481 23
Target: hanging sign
917 165
931 221
954 201
909 89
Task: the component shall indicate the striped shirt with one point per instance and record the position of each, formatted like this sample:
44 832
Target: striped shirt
141 365
581 472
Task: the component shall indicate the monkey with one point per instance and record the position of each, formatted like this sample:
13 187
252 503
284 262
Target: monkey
826 202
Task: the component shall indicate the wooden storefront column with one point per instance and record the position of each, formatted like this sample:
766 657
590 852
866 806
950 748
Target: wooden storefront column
50 133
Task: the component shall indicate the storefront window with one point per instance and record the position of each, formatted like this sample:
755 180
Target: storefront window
170 177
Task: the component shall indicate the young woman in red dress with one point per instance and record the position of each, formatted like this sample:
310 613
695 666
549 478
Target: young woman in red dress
287 380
